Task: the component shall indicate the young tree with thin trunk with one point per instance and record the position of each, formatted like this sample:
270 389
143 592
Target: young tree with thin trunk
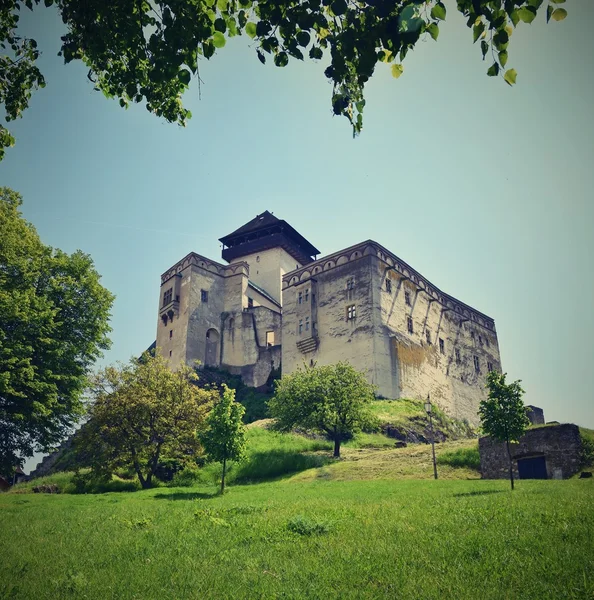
503 414
141 412
224 438
332 400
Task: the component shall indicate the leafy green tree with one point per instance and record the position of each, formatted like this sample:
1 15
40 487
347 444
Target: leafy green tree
141 412
149 50
53 325
224 439
332 400
503 414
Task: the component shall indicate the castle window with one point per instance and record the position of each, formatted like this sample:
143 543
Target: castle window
270 338
472 334
441 346
169 353
350 285
458 359
388 286
250 302
257 259
487 341
306 323
477 364
307 295
480 340
489 367
409 324
170 333
204 295
300 297
428 336
167 296
300 326
351 312
407 297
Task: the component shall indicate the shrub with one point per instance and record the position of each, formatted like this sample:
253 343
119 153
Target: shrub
189 476
304 526
587 451
468 458
276 463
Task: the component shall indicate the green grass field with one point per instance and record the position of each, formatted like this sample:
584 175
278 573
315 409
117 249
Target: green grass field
313 539
296 523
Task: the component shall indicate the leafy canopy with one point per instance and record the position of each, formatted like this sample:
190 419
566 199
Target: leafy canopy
503 414
332 400
141 412
53 326
148 50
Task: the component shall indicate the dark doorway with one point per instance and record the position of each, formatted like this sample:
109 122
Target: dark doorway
532 468
212 348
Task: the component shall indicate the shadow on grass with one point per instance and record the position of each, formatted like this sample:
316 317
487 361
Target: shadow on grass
186 496
477 493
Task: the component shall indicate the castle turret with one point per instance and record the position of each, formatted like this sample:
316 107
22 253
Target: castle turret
271 247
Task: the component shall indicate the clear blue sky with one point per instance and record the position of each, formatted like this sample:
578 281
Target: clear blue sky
485 189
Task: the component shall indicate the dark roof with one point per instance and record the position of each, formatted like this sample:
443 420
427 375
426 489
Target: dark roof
263 220
263 292
267 231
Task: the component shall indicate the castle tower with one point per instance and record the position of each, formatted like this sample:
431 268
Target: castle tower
272 248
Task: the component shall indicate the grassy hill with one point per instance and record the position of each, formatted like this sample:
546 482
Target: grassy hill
376 538
297 523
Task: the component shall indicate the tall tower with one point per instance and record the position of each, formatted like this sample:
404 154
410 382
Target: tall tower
271 247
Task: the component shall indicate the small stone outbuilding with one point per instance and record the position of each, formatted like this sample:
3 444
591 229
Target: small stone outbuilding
546 452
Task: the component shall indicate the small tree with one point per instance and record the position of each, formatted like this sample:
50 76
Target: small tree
331 400
141 412
224 439
503 414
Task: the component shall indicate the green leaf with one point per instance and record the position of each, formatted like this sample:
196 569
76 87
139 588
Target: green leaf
316 52
527 14
493 70
218 39
184 76
510 76
433 30
303 38
397 70
220 25
477 30
559 14
484 48
549 12
222 5
557 1
360 105
281 59
250 29
503 58
339 7
438 12
515 17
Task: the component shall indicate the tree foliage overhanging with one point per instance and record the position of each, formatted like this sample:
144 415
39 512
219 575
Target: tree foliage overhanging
148 50
53 326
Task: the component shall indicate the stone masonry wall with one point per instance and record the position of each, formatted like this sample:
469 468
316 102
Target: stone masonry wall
559 444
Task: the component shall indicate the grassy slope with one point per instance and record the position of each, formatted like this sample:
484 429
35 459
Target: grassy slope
393 539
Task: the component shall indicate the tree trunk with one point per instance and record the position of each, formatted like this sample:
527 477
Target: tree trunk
223 478
336 447
511 465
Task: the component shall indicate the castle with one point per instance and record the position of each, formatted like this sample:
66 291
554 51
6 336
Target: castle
276 306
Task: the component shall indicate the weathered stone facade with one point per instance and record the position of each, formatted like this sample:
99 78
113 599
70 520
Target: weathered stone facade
366 306
535 415
553 448
274 303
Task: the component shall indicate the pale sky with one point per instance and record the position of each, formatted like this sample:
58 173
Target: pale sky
484 189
